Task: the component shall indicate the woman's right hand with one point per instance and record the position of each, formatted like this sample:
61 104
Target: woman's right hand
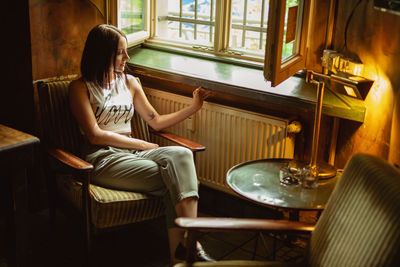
147 145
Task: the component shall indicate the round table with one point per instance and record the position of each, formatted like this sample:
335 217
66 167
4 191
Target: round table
258 181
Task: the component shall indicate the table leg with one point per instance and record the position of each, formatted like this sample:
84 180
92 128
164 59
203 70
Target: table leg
9 208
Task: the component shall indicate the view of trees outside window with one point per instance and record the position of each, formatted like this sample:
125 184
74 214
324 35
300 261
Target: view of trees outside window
131 16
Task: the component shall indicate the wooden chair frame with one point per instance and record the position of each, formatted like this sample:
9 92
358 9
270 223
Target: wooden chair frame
60 150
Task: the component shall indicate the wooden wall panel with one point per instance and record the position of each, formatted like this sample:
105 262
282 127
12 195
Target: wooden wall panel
374 36
58 34
317 37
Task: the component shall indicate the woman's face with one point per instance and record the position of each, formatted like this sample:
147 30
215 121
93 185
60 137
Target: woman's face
121 56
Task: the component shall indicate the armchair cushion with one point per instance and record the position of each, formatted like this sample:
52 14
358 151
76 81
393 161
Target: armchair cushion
111 207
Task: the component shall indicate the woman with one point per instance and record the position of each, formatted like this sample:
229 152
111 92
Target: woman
103 101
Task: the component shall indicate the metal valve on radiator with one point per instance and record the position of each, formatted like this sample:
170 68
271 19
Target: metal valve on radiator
294 127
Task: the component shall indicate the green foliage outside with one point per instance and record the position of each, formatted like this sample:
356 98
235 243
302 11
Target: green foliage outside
132 16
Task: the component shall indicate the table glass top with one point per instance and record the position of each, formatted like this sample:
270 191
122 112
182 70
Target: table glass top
258 181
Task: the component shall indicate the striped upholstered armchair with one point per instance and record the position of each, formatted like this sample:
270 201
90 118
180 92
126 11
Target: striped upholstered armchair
68 175
359 227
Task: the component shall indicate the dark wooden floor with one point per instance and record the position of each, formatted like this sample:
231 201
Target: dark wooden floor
144 244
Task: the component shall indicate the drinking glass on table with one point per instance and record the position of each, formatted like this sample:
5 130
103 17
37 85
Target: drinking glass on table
309 177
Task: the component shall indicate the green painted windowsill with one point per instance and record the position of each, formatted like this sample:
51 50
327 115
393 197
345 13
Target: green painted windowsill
241 80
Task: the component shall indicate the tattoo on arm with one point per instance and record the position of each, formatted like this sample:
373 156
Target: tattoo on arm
152 116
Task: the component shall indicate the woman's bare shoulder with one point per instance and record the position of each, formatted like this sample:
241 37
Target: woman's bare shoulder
78 83
133 82
131 78
78 87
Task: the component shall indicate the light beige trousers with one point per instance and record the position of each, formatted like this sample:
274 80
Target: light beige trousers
165 171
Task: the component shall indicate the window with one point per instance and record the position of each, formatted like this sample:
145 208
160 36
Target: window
225 27
132 17
273 31
286 49
249 26
187 21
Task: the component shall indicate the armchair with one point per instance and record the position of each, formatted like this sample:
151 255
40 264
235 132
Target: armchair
68 176
359 227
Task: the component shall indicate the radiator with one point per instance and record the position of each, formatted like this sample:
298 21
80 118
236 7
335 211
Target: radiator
231 135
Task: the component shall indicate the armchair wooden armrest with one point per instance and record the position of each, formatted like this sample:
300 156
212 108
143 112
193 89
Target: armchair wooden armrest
193 146
194 225
70 160
210 223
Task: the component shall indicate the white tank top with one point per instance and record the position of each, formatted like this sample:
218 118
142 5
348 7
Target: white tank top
113 107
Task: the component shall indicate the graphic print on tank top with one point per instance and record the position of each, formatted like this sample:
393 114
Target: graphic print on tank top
113 107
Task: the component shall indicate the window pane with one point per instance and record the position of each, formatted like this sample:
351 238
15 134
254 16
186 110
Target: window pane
173 30
291 36
254 13
173 7
249 20
204 10
236 38
252 40
188 31
131 16
188 8
189 21
205 33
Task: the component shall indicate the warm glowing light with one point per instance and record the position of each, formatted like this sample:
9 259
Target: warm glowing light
358 69
348 66
354 68
379 101
350 91
356 78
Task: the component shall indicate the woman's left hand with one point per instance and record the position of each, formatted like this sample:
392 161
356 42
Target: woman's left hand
199 95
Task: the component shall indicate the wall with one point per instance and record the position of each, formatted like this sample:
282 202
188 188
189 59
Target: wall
58 33
374 36
16 101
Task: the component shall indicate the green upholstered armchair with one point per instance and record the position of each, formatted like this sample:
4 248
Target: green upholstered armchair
68 175
359 227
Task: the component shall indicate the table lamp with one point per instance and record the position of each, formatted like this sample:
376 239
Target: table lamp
354 86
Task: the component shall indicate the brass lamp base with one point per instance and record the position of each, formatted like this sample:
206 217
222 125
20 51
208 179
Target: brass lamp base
325 170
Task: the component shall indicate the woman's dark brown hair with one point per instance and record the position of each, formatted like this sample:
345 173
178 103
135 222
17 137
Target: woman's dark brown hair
99 53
